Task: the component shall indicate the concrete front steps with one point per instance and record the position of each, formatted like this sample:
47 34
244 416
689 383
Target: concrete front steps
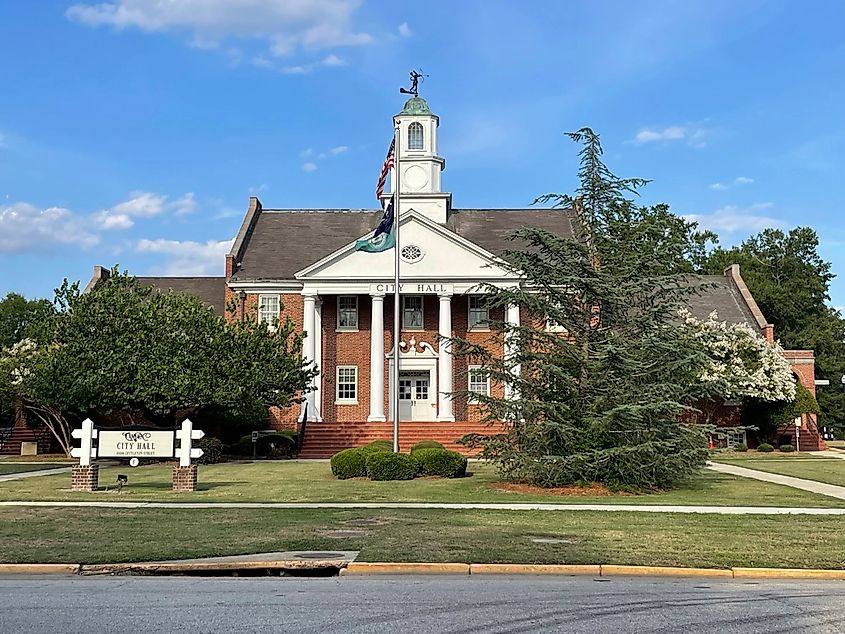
323 440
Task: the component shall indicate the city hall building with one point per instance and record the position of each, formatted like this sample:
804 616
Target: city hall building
302 264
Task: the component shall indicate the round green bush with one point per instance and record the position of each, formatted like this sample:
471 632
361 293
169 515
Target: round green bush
740 446
379 446
349 463
390 466
212 450
786 448
765 448
439 462
271 443
426 444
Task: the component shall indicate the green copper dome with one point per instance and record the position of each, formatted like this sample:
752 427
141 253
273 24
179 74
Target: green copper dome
416 105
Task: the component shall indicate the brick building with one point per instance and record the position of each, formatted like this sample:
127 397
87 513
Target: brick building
301 263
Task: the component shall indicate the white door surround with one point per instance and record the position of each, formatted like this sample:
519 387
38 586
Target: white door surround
415 403
415 357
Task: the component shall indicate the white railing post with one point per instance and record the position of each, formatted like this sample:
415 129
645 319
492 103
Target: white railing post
185 436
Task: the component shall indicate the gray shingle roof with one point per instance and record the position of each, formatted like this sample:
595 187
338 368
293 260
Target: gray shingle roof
286 241
719 293
209 290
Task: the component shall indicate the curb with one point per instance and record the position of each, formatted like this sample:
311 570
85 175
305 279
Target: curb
787 573
664 571
39 569
534 569
384 568
164 568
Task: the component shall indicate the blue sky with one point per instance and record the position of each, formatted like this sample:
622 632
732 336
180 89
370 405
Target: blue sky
133 131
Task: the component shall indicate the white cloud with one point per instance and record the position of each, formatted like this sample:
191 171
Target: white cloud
143 205
307 152
340 149
719 187
732 219
743 180
304 69
309 166
185 257
693 135
332 60
286 26
405 30
24 227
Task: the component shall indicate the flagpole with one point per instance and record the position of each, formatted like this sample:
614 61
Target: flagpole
396 302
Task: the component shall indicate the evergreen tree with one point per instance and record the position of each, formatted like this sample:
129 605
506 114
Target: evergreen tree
599 395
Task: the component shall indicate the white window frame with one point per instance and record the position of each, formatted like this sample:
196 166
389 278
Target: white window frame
405 327
268 317
416 125
346 400
484 324
341 328
486 392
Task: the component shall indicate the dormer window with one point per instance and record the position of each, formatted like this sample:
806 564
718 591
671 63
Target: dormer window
415 136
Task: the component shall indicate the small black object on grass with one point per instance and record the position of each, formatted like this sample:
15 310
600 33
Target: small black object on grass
121 481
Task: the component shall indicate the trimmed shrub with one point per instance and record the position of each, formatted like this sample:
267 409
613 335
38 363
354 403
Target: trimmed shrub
740 446
439 462
349 463
786 448
426 444
765 448
212 450
271 443
390 466
378 446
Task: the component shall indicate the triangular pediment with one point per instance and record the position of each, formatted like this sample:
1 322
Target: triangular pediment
444 255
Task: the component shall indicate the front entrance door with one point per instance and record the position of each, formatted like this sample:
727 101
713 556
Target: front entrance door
415 395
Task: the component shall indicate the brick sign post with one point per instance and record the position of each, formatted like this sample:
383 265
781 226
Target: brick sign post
135 442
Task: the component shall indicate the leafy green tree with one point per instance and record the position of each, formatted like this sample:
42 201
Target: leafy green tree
18 315
158 357
600 402
790 282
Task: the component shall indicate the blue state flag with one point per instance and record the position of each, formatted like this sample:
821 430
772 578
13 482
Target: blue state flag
384 237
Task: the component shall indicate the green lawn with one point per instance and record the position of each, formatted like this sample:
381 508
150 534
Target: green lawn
118 535
828 470
15 467
312 482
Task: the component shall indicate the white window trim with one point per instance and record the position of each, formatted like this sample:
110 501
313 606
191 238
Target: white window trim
484 326
470 370
422 313
263 296
345 401
340 328
422 137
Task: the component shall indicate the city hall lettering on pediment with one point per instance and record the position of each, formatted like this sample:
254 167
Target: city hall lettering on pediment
416 287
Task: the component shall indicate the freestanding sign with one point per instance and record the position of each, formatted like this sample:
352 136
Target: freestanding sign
135 443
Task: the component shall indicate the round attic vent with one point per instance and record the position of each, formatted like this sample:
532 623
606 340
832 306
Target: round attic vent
411 253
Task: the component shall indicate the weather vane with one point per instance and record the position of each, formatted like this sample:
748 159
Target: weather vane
416 76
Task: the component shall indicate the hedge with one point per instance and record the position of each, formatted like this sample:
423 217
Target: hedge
212 450
765 448
740 447
378 446
786 448
349 463
439 462
390 466
426 444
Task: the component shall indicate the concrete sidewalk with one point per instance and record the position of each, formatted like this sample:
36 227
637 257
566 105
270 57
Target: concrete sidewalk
31 474
560 508
830 490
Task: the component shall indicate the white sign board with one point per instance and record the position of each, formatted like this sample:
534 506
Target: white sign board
135 443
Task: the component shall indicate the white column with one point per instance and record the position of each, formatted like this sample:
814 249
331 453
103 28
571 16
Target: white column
309 315
377 360
318 358
444 361
512 319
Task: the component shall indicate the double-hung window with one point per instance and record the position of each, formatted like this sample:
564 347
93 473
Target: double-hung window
268 309
347 312
478 381
412 312
479 312
347 384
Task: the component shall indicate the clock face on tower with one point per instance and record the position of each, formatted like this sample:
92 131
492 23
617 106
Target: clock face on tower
415 177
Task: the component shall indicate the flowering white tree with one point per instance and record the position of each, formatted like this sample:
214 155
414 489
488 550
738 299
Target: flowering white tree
739 364
17 366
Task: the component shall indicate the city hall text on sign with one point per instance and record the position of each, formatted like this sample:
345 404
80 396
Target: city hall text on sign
135 443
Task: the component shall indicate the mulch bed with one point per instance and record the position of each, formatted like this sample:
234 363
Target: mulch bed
593 490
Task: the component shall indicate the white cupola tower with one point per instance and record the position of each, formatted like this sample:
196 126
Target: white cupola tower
419 165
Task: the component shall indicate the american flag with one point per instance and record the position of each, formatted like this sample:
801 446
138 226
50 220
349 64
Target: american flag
385 170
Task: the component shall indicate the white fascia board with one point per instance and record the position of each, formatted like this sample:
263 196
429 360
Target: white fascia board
281 286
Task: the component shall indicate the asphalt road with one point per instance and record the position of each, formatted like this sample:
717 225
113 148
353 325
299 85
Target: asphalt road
417 604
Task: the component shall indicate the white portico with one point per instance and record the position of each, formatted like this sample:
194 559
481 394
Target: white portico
437 265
